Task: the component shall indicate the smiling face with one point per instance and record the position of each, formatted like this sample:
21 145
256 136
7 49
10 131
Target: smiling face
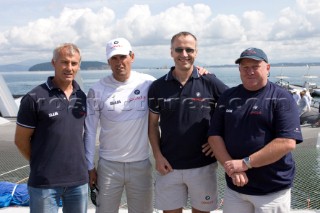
184 52
66 65
254 74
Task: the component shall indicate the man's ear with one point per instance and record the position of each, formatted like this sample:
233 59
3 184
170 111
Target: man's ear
52 63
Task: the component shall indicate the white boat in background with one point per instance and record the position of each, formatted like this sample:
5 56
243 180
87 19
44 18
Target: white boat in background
311 86
308 84
282 82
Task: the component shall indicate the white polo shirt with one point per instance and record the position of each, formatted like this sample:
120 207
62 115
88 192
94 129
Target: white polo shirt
122 109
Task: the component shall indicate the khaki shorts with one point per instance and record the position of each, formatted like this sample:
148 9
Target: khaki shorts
241 203
199 184
134 177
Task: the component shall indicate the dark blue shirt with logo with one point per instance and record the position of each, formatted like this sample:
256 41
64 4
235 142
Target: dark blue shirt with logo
249 120
57 148
185 112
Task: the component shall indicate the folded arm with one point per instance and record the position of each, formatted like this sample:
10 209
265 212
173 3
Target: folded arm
269 154
239 178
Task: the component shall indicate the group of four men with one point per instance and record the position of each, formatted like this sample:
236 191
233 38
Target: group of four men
189 117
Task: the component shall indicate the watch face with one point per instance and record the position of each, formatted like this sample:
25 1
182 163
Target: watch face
247 162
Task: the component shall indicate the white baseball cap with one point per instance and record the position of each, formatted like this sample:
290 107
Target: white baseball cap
118 46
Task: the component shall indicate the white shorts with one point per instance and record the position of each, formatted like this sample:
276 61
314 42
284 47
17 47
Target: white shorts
278 202
135 177
200 184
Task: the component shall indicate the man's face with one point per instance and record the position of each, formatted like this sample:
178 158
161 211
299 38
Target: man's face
184 52
66 66
254 74
121 66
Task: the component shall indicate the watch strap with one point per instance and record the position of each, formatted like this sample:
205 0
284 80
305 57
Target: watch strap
246 160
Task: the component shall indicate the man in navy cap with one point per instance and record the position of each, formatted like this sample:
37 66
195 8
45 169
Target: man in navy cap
253 131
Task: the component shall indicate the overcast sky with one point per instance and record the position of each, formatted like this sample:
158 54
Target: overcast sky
287 30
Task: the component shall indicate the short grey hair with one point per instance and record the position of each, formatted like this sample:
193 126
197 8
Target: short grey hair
72 49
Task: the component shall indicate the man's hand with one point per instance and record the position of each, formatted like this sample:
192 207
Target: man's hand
239 179
163 166
202 70
233 166
207 150
92 177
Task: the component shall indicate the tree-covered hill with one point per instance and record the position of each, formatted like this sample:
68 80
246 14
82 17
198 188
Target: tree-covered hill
85 65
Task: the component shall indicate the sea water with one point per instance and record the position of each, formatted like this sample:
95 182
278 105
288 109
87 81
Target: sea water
20 82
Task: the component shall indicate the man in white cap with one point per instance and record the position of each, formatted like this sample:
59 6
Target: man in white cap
118 103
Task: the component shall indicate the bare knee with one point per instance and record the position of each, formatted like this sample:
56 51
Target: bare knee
173 211
198 211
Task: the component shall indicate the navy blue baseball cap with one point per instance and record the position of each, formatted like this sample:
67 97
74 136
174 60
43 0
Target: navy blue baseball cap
253 53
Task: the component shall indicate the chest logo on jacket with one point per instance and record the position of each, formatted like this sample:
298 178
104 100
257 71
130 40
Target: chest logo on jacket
255 110
115 102
53 114
136 92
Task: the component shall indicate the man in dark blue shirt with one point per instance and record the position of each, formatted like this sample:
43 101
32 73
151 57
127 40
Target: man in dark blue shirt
49 133
253 131
184 101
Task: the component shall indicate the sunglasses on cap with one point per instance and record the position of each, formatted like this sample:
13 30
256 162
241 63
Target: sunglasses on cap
93 194
180 50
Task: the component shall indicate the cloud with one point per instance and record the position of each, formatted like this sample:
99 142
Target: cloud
309 6
92 29
256 26
226 29
136 25
3 39
291 25
221 36
294 35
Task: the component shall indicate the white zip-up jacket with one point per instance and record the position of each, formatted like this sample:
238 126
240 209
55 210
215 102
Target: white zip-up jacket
122 109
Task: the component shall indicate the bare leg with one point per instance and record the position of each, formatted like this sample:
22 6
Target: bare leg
173 211
198 211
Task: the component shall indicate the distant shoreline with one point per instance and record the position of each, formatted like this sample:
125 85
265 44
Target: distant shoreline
97 65
105 66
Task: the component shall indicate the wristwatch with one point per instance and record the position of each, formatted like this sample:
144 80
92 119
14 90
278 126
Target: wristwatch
246 160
